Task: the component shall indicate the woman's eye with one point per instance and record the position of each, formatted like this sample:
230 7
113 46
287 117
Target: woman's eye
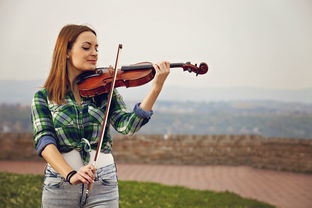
85 48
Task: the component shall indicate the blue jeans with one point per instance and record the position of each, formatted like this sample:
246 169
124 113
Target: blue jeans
60 194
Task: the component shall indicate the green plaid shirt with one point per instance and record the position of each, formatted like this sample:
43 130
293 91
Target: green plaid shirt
74 126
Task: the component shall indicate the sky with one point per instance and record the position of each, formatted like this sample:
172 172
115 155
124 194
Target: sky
246 43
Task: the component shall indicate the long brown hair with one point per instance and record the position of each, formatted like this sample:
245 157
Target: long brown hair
57 83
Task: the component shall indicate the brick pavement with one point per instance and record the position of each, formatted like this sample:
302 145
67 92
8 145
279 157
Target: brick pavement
283 189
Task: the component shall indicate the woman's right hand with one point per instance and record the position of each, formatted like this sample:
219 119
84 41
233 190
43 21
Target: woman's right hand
85 175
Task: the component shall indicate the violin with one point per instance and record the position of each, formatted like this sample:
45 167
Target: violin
92 83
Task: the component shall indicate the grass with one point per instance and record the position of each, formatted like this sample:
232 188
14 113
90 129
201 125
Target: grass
25 191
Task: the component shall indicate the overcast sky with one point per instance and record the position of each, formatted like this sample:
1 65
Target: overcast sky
264 43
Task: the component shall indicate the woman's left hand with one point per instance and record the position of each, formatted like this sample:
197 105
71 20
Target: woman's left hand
162 72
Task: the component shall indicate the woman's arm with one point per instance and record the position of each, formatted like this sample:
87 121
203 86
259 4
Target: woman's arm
51 154
45 142
162 71
128 123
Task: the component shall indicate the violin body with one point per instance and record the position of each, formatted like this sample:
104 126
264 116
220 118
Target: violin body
92 83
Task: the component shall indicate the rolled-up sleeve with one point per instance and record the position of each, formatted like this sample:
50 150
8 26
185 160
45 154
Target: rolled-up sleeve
142 113
42 123
126 122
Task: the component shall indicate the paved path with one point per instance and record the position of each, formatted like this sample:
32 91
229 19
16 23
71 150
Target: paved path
283 189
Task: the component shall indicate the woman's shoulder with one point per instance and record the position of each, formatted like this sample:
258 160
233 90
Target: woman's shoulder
41 93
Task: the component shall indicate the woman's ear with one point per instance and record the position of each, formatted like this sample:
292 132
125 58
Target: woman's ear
67 54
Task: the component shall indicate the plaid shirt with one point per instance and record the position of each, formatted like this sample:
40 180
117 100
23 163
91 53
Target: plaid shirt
72 126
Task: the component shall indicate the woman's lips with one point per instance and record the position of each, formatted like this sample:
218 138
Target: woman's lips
92 61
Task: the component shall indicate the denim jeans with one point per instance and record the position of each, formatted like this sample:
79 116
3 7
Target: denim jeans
60 194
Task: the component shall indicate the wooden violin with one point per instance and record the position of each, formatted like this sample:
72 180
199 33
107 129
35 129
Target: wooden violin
92 83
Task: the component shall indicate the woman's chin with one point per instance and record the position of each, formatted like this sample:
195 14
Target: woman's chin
92 68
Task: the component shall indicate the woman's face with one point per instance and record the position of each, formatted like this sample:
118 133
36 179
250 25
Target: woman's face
83 55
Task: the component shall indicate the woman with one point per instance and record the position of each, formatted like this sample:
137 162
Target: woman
67 126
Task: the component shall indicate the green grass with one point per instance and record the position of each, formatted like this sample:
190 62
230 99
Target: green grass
25 191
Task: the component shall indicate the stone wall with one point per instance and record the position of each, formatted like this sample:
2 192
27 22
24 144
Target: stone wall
251 150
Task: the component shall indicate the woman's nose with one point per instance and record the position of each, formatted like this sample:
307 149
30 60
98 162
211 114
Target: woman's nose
94 52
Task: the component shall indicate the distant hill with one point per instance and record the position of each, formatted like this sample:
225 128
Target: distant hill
22 92
18 91
189 110
266 118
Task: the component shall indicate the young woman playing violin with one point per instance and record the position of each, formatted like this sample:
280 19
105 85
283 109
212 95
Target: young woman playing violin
67 126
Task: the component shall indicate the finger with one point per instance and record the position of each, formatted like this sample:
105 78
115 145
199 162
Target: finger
89 176
93 169
90 167
82 179
162 65
86 177
165 66
88 170
156 67
90 173
111 69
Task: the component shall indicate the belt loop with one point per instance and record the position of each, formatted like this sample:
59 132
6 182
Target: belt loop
115 166
45 168
116 171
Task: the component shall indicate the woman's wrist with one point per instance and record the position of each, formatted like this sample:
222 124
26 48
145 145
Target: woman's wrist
70 175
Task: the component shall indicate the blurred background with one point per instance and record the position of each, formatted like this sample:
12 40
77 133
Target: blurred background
258 52
253 107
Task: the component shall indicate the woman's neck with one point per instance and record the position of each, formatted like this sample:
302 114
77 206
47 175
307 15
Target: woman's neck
73 73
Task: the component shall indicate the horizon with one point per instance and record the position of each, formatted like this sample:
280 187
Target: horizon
172 85
22 91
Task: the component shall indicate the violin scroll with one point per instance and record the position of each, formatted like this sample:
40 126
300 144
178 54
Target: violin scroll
202 69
